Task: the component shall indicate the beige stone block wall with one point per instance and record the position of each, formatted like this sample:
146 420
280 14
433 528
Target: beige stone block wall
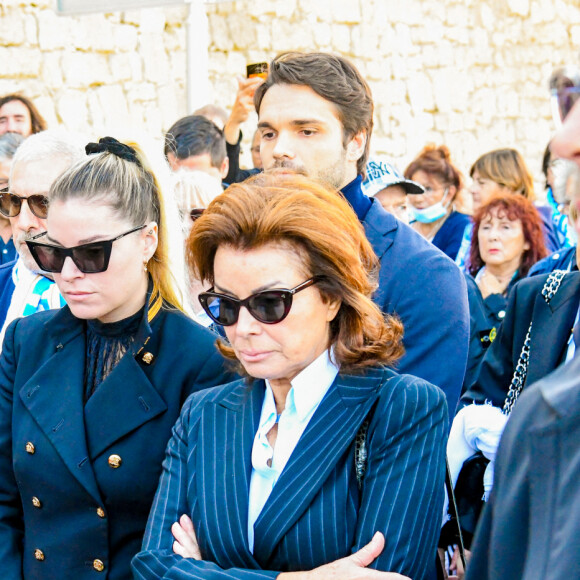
467 73
96 72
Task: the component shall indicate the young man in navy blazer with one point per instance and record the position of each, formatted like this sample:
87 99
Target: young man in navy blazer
316 117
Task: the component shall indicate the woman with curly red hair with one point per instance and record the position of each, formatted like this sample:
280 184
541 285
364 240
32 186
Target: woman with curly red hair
507 241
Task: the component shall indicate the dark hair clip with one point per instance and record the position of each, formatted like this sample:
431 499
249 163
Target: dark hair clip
111 145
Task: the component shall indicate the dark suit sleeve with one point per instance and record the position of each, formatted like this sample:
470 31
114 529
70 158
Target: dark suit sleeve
157 559
235 174
403 486
499 547
11 516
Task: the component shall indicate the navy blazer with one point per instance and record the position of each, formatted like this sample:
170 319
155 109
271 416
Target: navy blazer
315 513
530 530
552 324
77 481
427 291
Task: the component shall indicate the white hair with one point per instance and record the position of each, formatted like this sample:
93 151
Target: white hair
50 144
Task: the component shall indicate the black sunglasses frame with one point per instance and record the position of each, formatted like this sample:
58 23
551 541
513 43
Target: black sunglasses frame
72 253
38 201
283 294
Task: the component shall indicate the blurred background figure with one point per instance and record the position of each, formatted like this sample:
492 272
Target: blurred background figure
507 241
556 172
195 143
194 191
216 114
9 143
242 108
432 213
19 115
389 187
563 179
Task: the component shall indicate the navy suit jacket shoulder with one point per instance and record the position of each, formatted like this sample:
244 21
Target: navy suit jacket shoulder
427 291
448 238
58 449
315 513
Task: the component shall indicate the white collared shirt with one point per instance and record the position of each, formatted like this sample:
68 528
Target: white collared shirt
308 390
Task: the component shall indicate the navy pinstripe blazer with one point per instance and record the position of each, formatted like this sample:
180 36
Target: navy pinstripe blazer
316 513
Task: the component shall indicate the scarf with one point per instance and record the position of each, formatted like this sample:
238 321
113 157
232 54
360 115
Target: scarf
32 293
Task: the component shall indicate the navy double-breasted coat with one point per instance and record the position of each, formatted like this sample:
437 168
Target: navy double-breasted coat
76 480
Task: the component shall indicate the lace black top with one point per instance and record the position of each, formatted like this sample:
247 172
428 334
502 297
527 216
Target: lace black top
106 345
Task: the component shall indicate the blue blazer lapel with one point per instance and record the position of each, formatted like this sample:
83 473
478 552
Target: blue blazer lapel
124 401
330 432
224 466
54 397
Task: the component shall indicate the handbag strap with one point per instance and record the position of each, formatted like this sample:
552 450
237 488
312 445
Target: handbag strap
360 452
453 512
519 378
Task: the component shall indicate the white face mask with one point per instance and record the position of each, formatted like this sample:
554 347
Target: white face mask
432 213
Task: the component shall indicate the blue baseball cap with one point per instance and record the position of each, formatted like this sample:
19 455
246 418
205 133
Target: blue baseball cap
381 174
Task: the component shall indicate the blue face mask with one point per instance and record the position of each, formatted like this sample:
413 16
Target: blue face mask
430 214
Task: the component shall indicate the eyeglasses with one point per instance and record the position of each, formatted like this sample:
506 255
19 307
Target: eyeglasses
196 213
88 258
192 214
565 91
268 306
11 204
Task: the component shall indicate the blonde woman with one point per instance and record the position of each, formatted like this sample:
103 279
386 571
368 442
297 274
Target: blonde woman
89 393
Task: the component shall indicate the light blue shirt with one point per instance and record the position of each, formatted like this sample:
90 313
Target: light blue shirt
308 390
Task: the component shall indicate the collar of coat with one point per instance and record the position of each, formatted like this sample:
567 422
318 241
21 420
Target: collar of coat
62 326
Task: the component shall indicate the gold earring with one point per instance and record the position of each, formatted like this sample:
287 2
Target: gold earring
145 263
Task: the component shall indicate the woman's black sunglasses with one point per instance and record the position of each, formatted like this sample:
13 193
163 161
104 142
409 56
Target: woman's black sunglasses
11 204
88 258
268 306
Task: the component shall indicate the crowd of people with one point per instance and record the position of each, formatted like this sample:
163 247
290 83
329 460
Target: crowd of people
318 367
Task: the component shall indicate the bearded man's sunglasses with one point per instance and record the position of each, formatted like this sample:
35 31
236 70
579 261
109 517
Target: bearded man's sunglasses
11 204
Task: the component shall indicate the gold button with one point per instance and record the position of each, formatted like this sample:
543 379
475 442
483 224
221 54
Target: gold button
147 358
115 461
39 554
100 512
98 565
36 502
30 448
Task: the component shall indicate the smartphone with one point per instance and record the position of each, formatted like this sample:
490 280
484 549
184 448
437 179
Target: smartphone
257 69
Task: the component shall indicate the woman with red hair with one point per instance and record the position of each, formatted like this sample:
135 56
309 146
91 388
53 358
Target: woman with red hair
507 241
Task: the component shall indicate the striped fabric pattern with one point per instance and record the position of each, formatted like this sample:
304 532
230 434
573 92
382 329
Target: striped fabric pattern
315 513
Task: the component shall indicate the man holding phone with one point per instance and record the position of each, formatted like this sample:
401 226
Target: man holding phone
243 106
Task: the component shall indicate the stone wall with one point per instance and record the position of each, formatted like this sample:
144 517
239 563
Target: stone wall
467 73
